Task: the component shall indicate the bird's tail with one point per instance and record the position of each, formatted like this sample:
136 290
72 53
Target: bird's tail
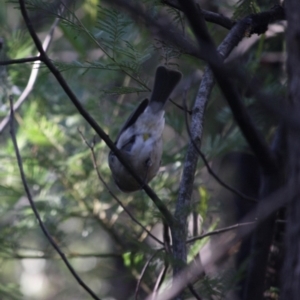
164 83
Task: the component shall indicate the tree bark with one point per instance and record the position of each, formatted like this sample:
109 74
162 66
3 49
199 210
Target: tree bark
290 288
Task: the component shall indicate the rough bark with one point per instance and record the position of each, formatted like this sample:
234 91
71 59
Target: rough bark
291 270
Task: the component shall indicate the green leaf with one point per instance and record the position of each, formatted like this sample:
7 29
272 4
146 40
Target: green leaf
244 8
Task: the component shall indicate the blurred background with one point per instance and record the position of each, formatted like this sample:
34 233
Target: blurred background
109 61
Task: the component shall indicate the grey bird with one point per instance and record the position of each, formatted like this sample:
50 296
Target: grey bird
140 138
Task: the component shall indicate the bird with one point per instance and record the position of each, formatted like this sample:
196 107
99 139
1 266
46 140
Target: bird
140 138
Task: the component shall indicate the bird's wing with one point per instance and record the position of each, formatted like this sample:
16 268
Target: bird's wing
133 117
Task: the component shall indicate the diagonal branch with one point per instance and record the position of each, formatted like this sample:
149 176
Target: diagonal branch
218 231
193 292
208 15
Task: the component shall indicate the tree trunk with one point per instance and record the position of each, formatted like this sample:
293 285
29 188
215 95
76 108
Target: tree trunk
291 270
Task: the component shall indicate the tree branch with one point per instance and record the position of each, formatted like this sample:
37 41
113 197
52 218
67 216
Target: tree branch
19 60
264 233
290 287
218 231
206 163
196 128
208 15
193 292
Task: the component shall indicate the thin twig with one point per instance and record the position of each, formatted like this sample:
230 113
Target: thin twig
180 107
208 167
19 61
159 280
162 274
197 257
91 147
194 293
215 232
34 209
143 272
218 231
167 240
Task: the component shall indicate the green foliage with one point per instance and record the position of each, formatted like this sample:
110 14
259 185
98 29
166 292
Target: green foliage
196 246
19 44
131 259
244 8
10 292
